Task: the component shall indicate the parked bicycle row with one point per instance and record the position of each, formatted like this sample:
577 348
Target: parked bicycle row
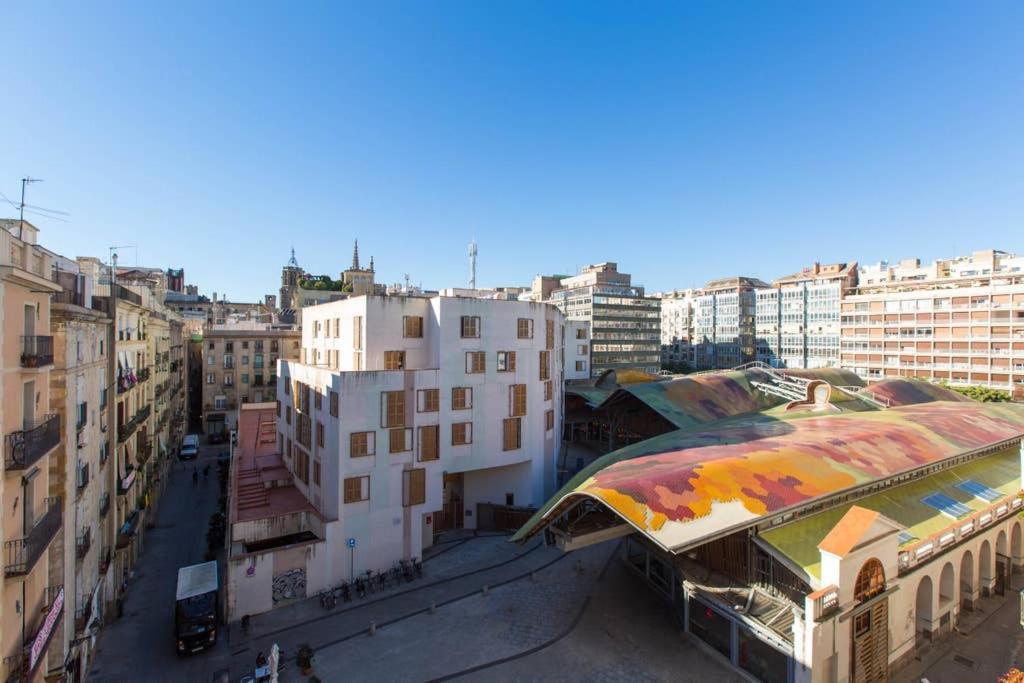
372 581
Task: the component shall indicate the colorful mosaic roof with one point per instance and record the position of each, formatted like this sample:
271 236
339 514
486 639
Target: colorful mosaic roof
903 391
683 486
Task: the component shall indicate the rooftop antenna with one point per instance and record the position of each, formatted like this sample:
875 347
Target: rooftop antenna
472 264
21 209
407 283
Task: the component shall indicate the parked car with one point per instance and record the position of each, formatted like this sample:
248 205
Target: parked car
189 448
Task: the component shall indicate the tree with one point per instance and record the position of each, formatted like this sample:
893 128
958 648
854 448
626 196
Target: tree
981 394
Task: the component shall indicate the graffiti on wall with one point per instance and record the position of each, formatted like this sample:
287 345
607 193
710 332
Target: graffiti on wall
289 585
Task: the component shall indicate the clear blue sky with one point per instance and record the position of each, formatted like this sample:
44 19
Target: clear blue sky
684 141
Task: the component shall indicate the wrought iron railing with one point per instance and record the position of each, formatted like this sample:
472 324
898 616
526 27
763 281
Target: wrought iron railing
22 554
36 351
83 543
27 446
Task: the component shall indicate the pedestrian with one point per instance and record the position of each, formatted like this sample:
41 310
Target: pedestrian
195 477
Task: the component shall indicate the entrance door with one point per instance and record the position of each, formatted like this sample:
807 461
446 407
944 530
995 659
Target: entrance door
870 631
30 321
1002 571
450 516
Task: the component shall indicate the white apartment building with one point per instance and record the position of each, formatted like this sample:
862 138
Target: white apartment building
405 414
723 325
577 349
958 320
677 315
797 319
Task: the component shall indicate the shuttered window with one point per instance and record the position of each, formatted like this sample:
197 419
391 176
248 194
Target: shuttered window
512 434
462 433
428 400
412 326
517 400
357 489
392 412
506 361
429 442
362 444
394 360
475 362
414 487
524 328
462 398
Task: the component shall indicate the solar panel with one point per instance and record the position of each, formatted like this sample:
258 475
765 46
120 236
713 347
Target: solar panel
979 490
946 505
905 537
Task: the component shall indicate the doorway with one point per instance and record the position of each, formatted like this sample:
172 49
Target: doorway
870 631
452 512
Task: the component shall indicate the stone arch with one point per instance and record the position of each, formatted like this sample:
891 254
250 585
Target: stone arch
947 585
870 581
923 608
968 588
1001 543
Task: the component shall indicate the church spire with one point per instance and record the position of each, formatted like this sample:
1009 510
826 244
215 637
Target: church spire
292 262
355 256
371 264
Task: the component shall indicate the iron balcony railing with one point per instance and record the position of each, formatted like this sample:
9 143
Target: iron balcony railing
104 559
22 554
126 430
104 504
25 448
83 477
143 374
36 351
143 413
83 543
128 295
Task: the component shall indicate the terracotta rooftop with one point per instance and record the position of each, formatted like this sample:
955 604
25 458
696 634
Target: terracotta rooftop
262 486
847 534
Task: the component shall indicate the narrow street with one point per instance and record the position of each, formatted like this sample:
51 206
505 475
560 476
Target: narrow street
140 645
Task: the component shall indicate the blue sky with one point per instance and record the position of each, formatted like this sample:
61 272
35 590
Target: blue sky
684 141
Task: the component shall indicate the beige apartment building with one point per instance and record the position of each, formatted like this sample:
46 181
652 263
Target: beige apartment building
239 367
32 608
959 321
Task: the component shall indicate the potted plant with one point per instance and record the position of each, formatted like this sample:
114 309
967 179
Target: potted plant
304 658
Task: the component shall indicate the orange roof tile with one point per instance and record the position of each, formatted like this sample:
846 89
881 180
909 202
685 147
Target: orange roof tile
849 531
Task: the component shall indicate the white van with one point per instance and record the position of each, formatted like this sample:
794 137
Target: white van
189 447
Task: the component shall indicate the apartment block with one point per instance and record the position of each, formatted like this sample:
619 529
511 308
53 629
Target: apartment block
959 321
677 316
33 592
624 323
797 318
577 349
723 323
239 367
407 416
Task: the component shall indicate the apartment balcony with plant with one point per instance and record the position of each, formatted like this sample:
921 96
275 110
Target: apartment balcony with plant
36 351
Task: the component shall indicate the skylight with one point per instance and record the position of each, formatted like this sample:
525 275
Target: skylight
946 505
979 491
905 537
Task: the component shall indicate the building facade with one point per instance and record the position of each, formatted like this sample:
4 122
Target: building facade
724 322
959 321
624 323
677 315
797 318
240 366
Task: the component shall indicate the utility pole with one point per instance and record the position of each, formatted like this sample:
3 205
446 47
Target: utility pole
21 212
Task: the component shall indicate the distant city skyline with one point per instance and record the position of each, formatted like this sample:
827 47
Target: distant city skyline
687 143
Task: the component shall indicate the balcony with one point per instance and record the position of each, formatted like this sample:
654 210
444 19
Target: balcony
83 477
124 484
26 447
143 414
23 553
127 295
126 430
143 374
104 560
127 530
83 614
144 451
83 543
36 351
104 505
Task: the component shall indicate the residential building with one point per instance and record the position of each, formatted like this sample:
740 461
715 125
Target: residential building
834 535
80 398
959 321
405 416
240 366
33 591
797 318
624 324
577 349
677 314
723 323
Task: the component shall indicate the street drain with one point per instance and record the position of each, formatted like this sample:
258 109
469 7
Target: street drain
964 661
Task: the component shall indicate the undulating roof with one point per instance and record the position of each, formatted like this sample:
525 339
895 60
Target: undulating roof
683 486
798 540
901 391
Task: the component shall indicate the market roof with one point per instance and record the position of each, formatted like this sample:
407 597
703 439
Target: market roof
798 541
684 486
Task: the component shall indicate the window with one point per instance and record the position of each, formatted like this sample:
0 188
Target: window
470 327
210 378
392 411
362 444
549 334
462 433
517 400
334 404
548 390
870 581
428 400
245 379
287 387
429 443
211 359
220 403
357 489
412 326
394 360
414 487
357 332
512 434
273 346
524 328
278 408
475 362
581 366
229 360
318 400
288 416
258 345
399 440
210 346
581 333
549 420
316 472
103 399
506 361
320 434
302 465
83 414
229 379
581 349
462 398
257 361
545 365
245 359
245 345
